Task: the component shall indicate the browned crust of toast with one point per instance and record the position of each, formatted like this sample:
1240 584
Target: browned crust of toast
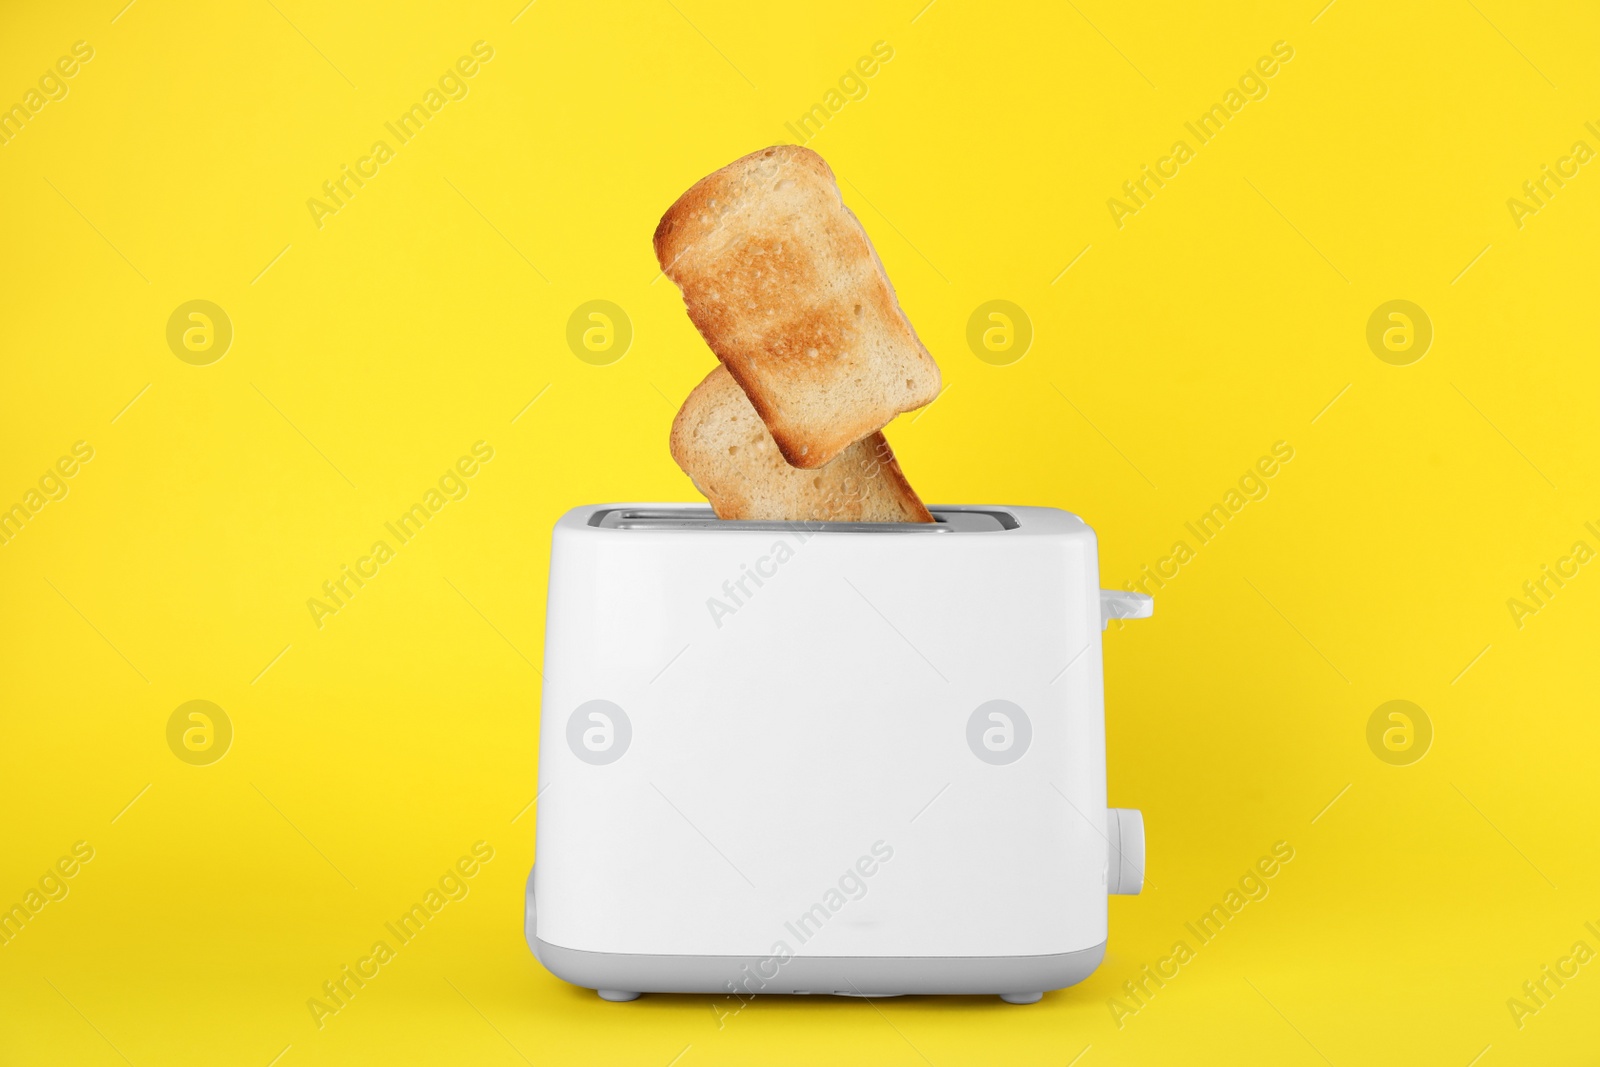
864 483
721 295
890 466
677 228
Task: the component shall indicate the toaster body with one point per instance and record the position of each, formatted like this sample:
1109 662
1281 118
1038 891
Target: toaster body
863 759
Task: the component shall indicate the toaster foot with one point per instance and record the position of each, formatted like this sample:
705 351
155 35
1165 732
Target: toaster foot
1022 998
619 996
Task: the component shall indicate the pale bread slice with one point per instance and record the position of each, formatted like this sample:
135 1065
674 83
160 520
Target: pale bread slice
726 450
782 282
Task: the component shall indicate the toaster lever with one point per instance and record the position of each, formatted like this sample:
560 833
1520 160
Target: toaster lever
1117 604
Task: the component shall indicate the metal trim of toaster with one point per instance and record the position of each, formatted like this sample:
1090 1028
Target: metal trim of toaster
858 975
946 520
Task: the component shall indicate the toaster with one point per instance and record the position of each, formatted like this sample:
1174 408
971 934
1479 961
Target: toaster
864 759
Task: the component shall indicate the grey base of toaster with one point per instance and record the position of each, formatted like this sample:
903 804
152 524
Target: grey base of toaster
744 976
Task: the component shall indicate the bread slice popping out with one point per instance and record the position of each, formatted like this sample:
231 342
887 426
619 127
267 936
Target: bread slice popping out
782 282
725 448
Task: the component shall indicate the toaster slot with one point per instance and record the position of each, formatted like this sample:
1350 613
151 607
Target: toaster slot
946 521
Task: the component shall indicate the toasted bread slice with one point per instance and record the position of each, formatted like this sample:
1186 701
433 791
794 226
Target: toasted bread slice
781 281
725 448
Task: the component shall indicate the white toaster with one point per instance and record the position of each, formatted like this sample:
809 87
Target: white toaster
844 758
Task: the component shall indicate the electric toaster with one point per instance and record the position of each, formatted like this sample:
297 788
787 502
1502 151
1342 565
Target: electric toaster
826 758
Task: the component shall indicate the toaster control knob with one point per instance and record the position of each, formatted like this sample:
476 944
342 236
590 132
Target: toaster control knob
1125 836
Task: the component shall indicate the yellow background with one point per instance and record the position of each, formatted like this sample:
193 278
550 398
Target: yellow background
1225 316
